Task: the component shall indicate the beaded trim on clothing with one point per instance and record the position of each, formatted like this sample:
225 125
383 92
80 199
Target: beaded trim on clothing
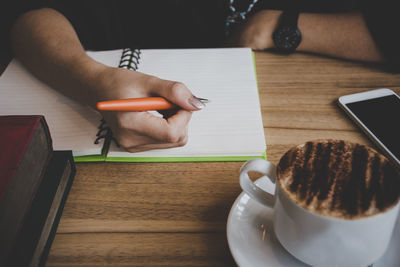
237 15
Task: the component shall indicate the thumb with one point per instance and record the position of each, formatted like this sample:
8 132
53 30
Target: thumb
178 93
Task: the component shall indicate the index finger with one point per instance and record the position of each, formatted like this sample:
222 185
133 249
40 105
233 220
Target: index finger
167 131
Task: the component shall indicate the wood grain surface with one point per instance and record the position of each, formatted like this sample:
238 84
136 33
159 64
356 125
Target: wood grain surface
174 214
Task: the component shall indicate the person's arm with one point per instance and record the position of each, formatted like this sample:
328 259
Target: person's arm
343 35
47 44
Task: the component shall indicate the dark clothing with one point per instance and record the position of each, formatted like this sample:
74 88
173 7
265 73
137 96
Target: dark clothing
147 24
383 21
103 25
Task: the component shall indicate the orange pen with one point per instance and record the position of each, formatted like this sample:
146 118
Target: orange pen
138 104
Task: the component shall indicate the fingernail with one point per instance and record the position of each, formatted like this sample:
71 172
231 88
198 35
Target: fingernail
196 102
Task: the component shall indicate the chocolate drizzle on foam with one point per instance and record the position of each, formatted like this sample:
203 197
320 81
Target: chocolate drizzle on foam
339 179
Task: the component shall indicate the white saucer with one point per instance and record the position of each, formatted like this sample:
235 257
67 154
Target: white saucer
253 243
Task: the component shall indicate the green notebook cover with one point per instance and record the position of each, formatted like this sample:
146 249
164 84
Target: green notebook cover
90 158
185 159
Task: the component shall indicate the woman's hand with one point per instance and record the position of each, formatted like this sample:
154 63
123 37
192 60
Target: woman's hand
140 131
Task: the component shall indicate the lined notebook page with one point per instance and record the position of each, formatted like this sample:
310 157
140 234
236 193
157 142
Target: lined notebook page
231 124
72 126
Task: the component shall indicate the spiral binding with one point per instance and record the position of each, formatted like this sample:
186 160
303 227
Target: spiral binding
129 60
105 133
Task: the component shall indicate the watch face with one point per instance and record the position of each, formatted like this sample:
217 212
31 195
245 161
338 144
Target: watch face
287 38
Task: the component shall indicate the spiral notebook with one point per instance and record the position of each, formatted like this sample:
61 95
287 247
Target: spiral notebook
229 128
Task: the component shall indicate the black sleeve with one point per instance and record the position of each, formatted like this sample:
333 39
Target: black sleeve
104 24
383 21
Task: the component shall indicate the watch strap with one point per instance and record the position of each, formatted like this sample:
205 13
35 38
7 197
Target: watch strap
289 18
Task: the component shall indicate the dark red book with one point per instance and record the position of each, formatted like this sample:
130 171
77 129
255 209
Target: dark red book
25 151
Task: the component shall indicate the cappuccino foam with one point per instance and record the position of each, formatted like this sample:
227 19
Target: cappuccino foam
339 179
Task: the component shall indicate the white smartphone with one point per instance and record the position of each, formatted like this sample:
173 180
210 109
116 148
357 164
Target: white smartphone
377 112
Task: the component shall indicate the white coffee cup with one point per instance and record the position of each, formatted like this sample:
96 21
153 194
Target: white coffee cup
317 239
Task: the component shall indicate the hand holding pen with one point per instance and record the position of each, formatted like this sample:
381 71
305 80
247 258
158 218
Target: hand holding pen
140 131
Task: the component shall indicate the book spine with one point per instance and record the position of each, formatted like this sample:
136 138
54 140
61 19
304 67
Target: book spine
36 236
46 250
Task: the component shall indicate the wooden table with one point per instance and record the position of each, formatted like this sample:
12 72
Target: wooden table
175 214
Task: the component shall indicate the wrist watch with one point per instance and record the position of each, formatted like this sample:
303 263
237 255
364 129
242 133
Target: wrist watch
287 35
